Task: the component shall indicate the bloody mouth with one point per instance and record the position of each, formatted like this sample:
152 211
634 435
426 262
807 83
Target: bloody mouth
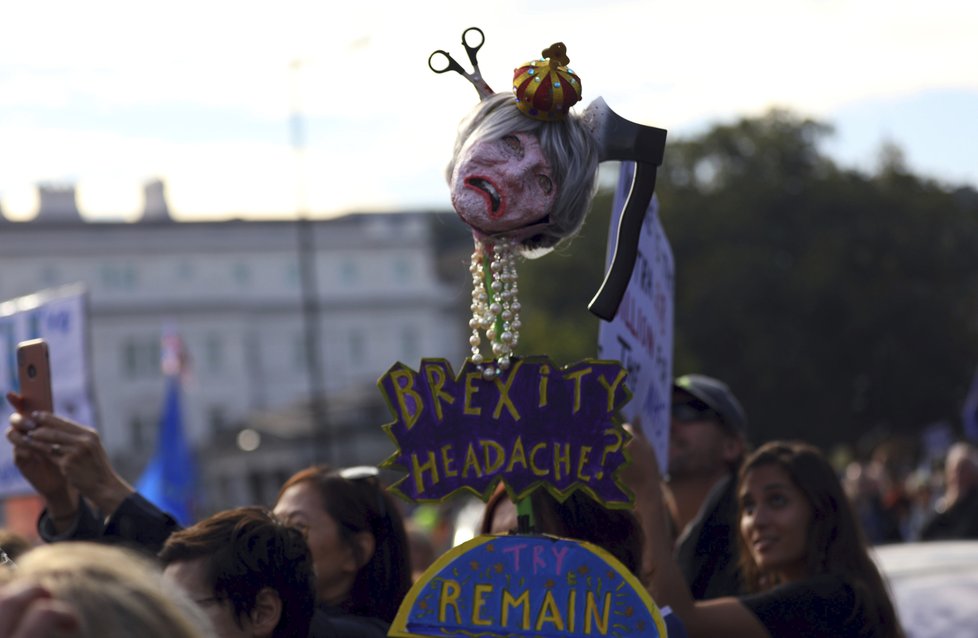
488 190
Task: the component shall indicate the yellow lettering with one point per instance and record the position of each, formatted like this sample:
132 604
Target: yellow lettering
450 591
471 460
448 459
544 378
504 394
518 455
581 462
591 612
549 613
436 381
561 459
470 391
417 471
491 466
533 459
509 601
478 602
571 607
576 377
611 388
403 391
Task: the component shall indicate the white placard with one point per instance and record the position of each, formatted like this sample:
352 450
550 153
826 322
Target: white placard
60 317
640 335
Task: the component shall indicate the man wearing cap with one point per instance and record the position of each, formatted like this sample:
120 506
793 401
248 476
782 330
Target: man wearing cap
707 443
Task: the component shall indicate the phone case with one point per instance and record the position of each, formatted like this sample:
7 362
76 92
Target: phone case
34 372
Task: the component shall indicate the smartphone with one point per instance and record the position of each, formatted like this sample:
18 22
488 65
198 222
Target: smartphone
34 372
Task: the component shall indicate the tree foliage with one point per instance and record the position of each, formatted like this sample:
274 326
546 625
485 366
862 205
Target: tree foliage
835 303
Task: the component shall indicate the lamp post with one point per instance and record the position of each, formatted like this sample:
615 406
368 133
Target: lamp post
308 288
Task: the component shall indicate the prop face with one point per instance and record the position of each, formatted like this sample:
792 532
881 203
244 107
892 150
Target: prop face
504 184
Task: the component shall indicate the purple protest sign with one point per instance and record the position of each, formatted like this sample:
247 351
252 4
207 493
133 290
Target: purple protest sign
535 425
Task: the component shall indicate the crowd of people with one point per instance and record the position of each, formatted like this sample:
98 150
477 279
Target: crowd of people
767 542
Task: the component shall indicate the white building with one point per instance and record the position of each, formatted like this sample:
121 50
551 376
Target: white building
233 291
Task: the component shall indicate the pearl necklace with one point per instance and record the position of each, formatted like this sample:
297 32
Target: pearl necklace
496 309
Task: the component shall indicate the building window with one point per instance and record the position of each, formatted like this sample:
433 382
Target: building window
217 419
185 270
241 272
410 344
403 272
141 358
349 273
292 279
300 360
50 276
118 276
214 353
141 433
356 345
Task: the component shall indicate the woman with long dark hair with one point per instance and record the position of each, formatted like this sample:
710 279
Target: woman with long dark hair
803 554
359 547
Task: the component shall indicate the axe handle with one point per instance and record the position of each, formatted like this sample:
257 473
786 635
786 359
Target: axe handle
605 303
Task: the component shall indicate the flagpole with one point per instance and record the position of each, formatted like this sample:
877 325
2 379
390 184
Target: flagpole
308 289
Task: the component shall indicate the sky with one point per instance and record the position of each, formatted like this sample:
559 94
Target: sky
107 94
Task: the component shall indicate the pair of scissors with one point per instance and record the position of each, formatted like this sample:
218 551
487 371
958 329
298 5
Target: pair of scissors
451 65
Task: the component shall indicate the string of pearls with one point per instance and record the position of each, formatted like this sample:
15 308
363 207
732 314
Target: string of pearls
498 306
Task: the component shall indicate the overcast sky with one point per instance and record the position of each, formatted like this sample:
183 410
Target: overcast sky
107 94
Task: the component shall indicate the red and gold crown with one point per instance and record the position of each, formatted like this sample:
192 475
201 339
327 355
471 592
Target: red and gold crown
546 89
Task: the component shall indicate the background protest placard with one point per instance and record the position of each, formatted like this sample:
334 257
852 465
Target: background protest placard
60 317
640 335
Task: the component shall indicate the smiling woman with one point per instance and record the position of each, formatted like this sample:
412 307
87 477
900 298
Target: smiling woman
803 554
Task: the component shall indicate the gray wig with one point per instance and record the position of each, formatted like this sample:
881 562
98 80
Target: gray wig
568 146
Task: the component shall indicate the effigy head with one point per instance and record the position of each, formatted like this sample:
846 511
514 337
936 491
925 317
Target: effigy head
525 167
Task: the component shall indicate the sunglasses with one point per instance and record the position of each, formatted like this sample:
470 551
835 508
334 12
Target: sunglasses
688 412
358 472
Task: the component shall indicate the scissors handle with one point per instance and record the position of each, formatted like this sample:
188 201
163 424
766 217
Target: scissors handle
472 50
450 63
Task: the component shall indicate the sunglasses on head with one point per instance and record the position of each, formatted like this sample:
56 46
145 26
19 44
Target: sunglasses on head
358 472
690 411
368 473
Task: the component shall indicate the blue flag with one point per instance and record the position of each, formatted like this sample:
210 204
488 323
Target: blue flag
170 479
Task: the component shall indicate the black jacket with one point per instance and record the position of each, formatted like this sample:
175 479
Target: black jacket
707 552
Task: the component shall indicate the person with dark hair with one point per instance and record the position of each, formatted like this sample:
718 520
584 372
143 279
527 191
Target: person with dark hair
707 442
956 513
802 553
250 572
577 517
359 546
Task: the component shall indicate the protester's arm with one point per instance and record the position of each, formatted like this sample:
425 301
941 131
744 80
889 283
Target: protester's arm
61 499
723 616
138 522
84 525
78 452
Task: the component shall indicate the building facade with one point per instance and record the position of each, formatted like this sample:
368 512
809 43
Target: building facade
236 293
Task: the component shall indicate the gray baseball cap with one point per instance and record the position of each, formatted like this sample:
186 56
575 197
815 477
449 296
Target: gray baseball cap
717 395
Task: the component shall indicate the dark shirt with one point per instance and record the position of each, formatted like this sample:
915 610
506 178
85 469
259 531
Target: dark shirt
821 606
707 551
332 622
136 523
956 522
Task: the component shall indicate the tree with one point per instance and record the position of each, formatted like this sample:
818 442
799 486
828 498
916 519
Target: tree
834 302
